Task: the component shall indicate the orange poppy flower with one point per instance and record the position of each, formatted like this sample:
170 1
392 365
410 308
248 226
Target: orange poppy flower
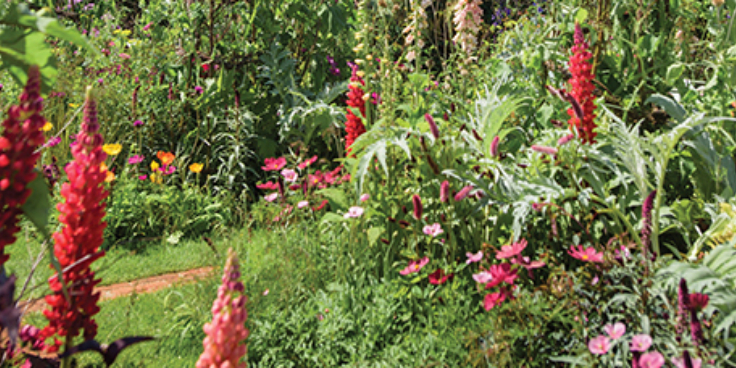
166 157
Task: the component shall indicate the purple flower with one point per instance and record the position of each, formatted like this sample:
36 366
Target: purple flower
198 90
147 26
136 159
432 126
100 81
137 123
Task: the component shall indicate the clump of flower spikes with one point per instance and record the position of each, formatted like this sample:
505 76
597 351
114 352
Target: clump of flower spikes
468 18
19 142
417 25
78 242
224 345
582 88
354 125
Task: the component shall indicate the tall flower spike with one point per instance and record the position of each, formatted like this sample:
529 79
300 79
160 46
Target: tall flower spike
224 345
417 202
683 301
21 138
582 87
354 125
78 242
646 215
417 25
468 18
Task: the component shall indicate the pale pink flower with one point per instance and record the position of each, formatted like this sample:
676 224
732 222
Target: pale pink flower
463 193
599 345
615 331
472 258
641 342
679 362
468 18
508 251
586 255
483 277
224 345
364 197
354 212
302 204
414 266
289 175
271 197
566 139
544 149
651 360
265 292
433 230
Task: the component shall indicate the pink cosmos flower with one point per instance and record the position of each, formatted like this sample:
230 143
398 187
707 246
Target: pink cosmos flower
472 258
586 255
433 230
493 299
414 266
143 177
599 345
482 277
544 149
271 197
268 186
508 251
274 164
289 175
651 360
463 193
615 331
438 277
641 343
303 165
135 159
364 197
354 212
302 204
502 273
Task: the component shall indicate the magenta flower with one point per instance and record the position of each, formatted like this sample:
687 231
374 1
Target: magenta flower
271 197
641 343
472 258
483 277
432 126
198 90
414 266
124 56
463 193
494 146
137 123
444 191
615 331
354 212
502 273
268 186
143 177
586 255
147 26
599 345
167 169
53 141
303 165
651 360
302 204
544 149
274 164
697 301
364 197
508 251
417 202
438 277
493 299
433 230
289 175
135 159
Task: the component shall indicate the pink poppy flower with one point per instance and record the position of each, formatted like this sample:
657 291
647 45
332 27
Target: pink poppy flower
493 299
289 175
502 273
641 343
303 165
433 230
271 197
268 186
472 258
414 266
651 360
274 164
616 330
482 277
354 212
599 345
438 277
302 204
586 255
135 159
364 197
508 251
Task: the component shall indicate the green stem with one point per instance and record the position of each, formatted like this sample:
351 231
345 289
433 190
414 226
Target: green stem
613 210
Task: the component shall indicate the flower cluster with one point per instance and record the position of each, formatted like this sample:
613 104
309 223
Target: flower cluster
582 88
21 138
417 24
354 125
468 18
224 345
78 243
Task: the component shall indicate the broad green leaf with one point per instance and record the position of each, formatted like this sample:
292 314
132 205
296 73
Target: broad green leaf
37 205
670 106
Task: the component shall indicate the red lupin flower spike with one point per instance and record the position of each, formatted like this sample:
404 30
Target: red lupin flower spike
354 126
78 242
582 88
19 141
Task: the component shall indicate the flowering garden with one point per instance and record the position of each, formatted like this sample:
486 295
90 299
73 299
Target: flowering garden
379 183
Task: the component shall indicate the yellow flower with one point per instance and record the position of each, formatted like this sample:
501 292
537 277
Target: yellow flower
103 167
112 149
109 177
73 105
48 126
156 178
154 166
196 168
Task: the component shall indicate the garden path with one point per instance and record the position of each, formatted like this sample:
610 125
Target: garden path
140 286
